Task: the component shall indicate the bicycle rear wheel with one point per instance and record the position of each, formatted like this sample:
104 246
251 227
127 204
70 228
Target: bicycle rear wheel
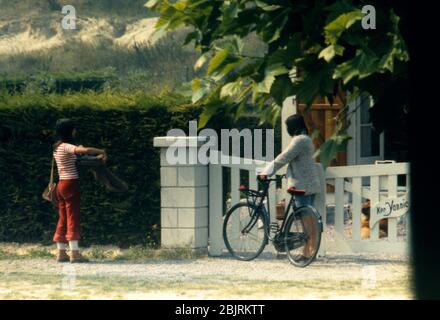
244 231
302 236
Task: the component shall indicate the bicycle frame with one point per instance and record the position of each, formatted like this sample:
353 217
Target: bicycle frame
266 212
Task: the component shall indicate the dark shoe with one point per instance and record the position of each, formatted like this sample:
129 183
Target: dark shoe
77 257
62 256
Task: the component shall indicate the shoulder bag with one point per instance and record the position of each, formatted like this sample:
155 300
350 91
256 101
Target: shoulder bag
49 193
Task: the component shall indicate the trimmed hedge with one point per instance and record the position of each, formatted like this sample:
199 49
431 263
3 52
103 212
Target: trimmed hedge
124 126
59 82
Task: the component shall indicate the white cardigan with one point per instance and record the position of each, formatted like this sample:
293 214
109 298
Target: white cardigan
302 171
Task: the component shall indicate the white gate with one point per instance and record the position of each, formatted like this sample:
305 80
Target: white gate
353 185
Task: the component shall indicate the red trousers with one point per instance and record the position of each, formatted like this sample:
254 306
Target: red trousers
68 192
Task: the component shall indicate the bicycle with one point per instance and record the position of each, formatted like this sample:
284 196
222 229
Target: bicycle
299 234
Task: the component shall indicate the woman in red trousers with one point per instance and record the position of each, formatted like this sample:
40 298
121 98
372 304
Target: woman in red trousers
68 190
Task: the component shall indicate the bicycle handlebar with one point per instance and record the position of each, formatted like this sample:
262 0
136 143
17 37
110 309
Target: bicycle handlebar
270 180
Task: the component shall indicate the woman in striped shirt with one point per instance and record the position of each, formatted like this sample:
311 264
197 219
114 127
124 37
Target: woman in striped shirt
68 190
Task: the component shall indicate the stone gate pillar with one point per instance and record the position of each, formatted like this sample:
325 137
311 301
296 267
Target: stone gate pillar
183 192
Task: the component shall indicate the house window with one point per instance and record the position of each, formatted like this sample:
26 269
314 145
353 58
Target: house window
369 138
366 145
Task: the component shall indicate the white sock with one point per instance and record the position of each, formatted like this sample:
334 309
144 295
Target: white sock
73 245
61 246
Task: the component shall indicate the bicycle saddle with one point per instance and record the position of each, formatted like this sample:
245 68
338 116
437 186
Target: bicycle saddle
293 190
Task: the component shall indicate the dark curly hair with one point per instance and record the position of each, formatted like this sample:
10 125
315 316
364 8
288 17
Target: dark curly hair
296 125
64 131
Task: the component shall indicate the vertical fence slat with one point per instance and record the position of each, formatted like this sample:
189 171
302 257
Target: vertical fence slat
216 243
235 197
253 183
320 199
356 208
235 184
320 204
392 223
383 193
374 190
339 205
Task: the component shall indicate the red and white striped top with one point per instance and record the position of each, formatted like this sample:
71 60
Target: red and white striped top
66 161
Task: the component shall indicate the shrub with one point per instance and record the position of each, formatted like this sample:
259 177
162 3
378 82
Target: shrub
58 82
124 125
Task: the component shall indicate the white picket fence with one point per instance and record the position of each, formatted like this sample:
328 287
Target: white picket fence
352 184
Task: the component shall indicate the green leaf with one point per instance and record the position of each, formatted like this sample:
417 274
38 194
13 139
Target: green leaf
279 58
293 48
265 85
207 114
362 65
217 60
200 89
397 49
201 61
231 89
318 82
329 53
181 5
266 6
225 71
272 31
281 88
271 72
275 70
330 148
335 28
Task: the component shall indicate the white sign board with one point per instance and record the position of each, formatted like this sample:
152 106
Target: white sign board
389 208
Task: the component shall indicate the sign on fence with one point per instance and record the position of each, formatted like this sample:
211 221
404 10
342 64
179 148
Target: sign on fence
389 208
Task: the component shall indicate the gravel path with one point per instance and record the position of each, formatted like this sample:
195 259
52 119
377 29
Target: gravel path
333 267
387 273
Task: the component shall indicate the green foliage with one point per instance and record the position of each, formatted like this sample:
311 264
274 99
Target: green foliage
320 43
330 148
124 125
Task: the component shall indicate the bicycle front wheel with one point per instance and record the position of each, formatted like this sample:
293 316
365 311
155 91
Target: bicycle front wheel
244 231
302 236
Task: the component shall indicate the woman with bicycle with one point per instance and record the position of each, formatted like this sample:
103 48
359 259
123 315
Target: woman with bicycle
247 225
302 172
